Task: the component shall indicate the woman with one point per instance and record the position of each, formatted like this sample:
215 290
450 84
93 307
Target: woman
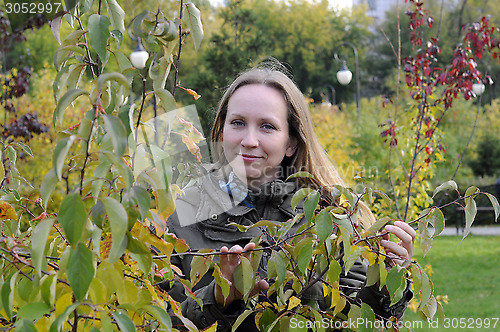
262 134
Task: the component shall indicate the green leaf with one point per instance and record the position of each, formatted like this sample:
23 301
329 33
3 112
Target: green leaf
75 73
69 97
436 219
244 277
118 220
123 169
265 223
288 225
376 226
73 38
425 238
350 259
38 242
310 205
300 195
55 26
334 271
159 71
25 148
33 311
85 6
240 319
470 209
494 203
115 128
143 199
445 186
324 225
195 24
303 252
346 240
396 284
160 315
368 318
98 213
300 175
48 288
80 270
199 266
98 26
137 247
266 319
221 281
117 77
24 325
318 318
372 275
72 217
429 309
58 324
426 290
124 322
123 61
167 101
116 15
276 267
6 294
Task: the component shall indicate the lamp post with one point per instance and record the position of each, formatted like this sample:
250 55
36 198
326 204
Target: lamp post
138 58
332 91
344 75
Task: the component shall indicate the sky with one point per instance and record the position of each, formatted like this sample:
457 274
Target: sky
334 3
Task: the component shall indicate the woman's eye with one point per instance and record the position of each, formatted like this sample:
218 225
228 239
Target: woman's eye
237 123
268 126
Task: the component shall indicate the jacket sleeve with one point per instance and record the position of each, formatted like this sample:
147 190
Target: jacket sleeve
372 295
211 312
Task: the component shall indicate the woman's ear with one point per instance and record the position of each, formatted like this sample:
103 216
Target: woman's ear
292 146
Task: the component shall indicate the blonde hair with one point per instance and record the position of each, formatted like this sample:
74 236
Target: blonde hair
310 155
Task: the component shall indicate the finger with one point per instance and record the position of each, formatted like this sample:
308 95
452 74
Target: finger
234 256
407 228
247 251
400 233
225 267
394 248
259 286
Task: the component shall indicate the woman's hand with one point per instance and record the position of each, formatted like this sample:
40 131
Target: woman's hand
228 264
399 253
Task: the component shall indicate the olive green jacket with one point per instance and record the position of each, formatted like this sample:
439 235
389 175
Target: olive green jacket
201 219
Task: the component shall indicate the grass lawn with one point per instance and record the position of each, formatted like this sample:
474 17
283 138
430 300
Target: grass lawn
468 272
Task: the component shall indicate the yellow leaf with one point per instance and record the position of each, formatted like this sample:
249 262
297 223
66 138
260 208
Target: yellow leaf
212 328
294 301
326 290
370 256
63 302
335 297
7 211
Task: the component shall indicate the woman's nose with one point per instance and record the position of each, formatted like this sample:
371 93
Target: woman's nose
250 139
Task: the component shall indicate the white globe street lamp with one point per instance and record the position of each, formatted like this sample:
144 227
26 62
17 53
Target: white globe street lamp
478 88
344 75
139 56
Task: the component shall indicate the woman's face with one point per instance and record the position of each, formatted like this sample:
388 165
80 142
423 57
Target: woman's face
255 137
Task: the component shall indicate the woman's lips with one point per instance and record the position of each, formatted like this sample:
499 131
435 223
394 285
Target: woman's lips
249 157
